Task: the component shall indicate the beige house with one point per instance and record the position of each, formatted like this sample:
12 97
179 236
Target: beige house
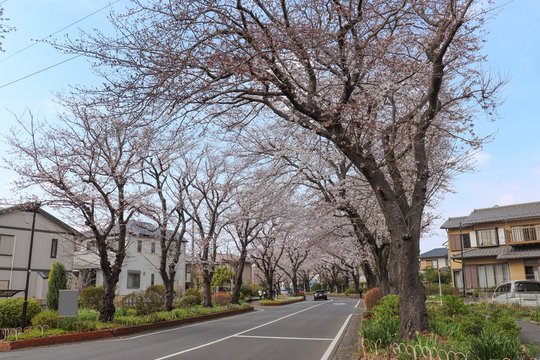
52 241
495 245
434 259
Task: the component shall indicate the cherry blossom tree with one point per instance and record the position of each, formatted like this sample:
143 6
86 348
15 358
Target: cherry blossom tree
207 199
167 181
393 85
88 163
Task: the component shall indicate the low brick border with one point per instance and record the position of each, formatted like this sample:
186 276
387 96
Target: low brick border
284 303
108 333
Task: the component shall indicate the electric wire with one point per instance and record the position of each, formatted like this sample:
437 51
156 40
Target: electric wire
58 31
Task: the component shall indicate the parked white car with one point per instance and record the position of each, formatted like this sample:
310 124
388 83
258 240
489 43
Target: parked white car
521 292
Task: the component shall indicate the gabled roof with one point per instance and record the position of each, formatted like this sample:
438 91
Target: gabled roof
434 253
453 222
31 206
496 213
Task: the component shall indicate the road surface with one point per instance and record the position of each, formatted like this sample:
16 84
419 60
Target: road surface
304 330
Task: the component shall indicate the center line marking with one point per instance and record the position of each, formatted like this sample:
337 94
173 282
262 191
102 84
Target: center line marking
240 333
283 338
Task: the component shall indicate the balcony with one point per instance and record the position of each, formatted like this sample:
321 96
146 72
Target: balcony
524 235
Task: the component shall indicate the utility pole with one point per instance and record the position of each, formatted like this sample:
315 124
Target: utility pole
462 263
29 267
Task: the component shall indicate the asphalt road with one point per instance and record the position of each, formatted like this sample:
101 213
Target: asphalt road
305 330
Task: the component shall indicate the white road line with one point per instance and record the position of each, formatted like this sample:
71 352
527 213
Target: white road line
328 351
358 303
240 333
282 338
181 327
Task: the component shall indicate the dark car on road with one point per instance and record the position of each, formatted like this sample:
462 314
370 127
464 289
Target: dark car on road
320 295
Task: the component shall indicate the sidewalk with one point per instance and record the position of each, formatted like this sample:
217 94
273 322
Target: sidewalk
530 332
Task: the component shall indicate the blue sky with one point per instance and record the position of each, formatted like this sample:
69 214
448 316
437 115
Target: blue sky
508 169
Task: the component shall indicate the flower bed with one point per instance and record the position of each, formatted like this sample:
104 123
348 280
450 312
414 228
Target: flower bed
150 322
476 331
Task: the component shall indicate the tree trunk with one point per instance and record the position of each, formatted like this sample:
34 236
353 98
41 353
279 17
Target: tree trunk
356 281
106 313
169 292
207 288
238 279
294 285
412 298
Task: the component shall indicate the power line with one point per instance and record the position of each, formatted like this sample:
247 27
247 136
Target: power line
56 32
39 71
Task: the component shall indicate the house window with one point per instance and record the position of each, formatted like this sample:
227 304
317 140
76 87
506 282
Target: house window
54 247
153 248
487 237
434 264
525 233
139 246
134 279
6 244
152 280
466 239
491 275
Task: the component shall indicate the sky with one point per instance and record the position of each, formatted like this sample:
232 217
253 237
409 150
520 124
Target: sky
507 170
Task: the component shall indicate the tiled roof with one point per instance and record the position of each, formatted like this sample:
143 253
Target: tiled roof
453 222
496 213
434 253
520 253
480 252
509 212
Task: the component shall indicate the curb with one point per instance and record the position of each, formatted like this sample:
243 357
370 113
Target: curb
109 333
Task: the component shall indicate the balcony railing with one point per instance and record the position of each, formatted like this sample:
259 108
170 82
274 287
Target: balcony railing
525 234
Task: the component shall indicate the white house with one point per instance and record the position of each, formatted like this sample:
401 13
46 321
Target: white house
141 265
52 241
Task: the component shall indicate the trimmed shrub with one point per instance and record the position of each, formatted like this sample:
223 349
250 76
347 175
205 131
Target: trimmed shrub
350 291
221 298
158 290
88 315
194 292
372 298
453 306
46 318
11 311
187 301
144 302
57 281
92 297
125 311
388 307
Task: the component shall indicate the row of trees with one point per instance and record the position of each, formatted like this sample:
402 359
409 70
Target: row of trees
364 109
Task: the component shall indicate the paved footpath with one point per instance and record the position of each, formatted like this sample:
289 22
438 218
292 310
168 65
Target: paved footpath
530 332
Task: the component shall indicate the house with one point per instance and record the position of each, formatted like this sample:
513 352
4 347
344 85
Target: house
53 240
494 245
140 268
434 259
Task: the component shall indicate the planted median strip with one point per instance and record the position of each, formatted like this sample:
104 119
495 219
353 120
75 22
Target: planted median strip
45 335
282 301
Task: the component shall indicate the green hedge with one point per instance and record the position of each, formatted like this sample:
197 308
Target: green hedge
11 311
